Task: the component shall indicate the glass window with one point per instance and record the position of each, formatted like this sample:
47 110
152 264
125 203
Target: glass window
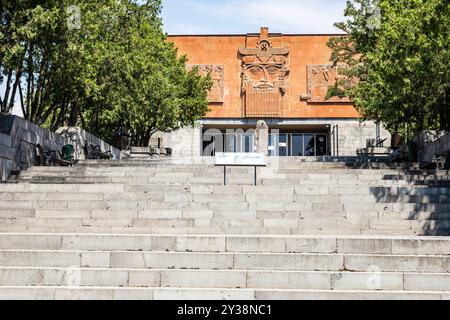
283 145
272 145
231 143
310 148
249 146
212 143
321 145
297 145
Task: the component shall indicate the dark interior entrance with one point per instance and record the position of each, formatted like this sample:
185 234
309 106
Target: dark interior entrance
299 144
301 141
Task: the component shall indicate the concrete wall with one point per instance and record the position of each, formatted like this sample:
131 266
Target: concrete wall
185 142
353 135
18 143
7 154
77 137
431 143
18 140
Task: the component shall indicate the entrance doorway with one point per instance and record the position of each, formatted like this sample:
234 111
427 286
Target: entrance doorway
228 142
292 142
298 145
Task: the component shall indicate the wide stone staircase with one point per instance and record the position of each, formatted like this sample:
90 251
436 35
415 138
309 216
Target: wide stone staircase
173 230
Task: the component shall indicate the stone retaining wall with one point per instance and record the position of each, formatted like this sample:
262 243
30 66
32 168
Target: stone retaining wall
431 143
18 143
77 137
18 140
6 156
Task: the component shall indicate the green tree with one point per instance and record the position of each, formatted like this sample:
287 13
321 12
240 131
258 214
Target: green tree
147 87
104 64
397 55
30 38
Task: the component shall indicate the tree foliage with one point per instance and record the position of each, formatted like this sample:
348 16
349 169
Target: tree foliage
102 64
397 55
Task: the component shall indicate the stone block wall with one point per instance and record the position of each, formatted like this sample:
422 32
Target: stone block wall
431 143
7 154
185 142
78 137
18 140
353 135
18 143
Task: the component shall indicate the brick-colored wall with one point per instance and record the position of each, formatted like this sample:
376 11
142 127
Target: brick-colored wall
304 50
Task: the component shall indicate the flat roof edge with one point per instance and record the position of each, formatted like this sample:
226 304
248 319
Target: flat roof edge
257 34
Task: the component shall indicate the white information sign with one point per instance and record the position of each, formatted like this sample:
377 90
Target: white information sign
240 159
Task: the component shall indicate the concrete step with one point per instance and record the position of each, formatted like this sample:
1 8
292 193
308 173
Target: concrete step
265 222
242 181
275 171
226 279
184 294
169 229
111 190
193 223
192 170
217 171
287 162
231 261
222 231
239 243
231 202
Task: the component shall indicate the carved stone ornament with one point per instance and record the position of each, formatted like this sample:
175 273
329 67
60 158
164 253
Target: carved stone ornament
320 79
264 77
216 94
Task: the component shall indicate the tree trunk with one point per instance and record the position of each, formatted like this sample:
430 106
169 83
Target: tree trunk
14 90
30 84
37 103
4 105
74 112
22 104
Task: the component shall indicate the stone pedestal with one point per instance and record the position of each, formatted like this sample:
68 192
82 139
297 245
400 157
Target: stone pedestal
262 138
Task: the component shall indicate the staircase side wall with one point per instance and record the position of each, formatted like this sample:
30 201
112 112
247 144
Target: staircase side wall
431 143
19 137
7 154
18 144
78 137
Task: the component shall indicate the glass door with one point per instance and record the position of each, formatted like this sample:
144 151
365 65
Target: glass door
310 147
249 143
231 143
283 145
321 145
273 143
297 145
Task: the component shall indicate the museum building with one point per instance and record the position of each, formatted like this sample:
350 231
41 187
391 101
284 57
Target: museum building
280 80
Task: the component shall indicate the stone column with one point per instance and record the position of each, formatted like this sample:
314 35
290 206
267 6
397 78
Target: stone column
262 138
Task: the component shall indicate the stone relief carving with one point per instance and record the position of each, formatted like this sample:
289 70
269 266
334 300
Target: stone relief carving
216 94
320 79
264 77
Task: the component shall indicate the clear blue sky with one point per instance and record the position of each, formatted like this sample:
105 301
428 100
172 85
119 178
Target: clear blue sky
245 16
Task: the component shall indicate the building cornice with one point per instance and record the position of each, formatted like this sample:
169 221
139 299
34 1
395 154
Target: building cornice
256 34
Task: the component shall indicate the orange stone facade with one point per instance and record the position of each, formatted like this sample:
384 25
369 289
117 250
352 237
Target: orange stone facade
267 75
278 81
